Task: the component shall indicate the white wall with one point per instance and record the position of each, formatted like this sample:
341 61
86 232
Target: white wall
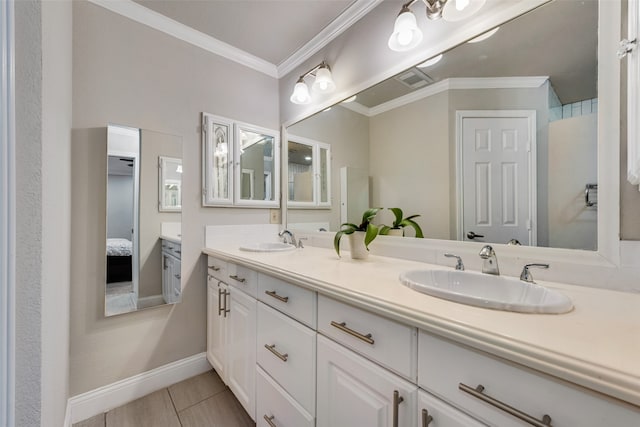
127 73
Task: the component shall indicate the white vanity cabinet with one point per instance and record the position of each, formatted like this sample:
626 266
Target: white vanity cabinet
353 391
171 270
433 412
231 336
452 371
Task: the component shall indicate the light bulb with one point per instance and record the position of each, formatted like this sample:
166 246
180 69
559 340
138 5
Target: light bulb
300 93
324 82
461 4
406 34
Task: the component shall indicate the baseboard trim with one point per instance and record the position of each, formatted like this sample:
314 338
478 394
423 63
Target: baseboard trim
102 399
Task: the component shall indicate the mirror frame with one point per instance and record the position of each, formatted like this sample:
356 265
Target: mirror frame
316 153
609 22
162 166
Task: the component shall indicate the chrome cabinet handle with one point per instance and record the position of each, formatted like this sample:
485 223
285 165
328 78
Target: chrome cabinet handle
426 418
276 296
226 309
214 268
343 327
477 393
177 276
397 400
236 278
219 301
269 420
272 349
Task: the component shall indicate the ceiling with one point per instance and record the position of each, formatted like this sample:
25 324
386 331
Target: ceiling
543 42
272 30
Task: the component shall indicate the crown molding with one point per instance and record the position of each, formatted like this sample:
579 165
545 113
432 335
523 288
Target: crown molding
449 84
157 21
349 17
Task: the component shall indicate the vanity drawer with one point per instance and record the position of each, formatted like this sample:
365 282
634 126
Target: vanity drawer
297 302
275 404
385 341
444 365
217 268
242 278
172 248
291 360
442 414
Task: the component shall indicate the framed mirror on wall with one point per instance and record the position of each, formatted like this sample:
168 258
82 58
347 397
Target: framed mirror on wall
241 164
143 235
407 131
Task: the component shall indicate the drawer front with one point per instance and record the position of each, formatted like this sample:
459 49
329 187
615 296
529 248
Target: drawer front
434 412
444 365
242 278
291 357
385 341
276 406
217 268
297 302
172 248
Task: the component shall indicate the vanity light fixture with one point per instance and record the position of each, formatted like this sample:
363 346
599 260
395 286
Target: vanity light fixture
406 34
484 36
430 62
350 99
323 83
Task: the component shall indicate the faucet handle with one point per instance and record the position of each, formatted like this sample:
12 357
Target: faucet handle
459 264
526 275
300 239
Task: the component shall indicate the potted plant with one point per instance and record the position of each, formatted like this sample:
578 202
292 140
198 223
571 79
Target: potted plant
400 223
359 235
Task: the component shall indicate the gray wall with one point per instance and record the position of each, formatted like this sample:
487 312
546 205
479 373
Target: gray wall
43 122
129 74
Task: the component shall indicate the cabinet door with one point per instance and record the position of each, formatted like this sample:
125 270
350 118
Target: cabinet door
353 391
241 344
175 291
216 325
217 164
434 412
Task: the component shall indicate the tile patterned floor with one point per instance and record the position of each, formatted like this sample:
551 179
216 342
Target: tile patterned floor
201 401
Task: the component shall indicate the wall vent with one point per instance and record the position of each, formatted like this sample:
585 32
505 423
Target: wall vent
414 79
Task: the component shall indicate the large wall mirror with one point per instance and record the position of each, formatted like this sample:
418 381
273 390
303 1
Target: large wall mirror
495 140
143 236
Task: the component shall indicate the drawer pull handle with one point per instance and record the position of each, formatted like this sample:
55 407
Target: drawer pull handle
397 400
276 296
214 268
343 327
269 420
272 349
238 279
426 418
477 393
220 297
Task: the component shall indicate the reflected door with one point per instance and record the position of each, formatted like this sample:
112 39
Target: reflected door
498 181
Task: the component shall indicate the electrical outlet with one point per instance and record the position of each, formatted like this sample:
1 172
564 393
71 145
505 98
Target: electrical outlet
274 216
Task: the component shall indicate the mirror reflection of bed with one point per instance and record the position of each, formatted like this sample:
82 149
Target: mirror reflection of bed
143 213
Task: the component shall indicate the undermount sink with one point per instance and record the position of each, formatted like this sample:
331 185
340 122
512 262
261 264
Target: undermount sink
488 291
267 247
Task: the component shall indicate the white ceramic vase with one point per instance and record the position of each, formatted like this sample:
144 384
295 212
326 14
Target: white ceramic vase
357 247
396 232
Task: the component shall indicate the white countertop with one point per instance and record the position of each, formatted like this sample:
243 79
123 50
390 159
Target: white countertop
174 239
597 345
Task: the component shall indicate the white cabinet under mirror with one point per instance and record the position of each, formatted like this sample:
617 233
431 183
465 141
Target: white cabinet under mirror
241 164
143 232
309 173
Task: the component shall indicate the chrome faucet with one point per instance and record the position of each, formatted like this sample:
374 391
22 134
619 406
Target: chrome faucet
459 264
526 275
288 237
490 264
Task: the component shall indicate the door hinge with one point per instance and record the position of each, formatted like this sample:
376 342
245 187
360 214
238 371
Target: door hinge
625 47
529 225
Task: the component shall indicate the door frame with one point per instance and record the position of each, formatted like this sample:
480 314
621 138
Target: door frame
530 115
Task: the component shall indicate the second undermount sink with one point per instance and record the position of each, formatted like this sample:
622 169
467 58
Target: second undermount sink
488 291
267 247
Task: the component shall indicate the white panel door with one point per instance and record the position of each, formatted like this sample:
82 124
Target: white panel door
352 391
241 352
217 325
498 180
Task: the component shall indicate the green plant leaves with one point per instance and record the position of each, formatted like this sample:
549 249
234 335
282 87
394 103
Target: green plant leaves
372 232
398 214
408 222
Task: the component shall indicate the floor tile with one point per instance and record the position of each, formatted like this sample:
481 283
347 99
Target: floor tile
153 410
195 390
221 410
97 421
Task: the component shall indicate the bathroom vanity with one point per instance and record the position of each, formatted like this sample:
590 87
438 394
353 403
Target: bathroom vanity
303 338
